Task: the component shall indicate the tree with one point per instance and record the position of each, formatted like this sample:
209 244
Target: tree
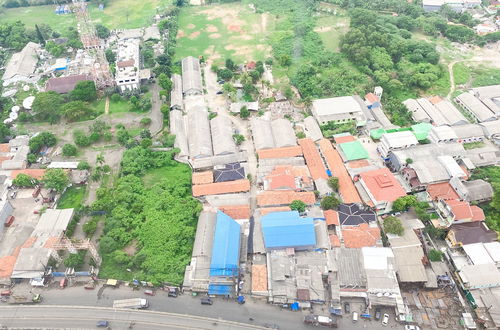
224 74
47 106
145 121
329 203
110 56
165 82
84 91
409 161
76 110
435 255
75 260
298 205
56 178
102 31
69 150
393 225
238 139
404 203
46 139
122 136
333 182
80 138
244 112
4 131
24 180
83 166
230 64
54 49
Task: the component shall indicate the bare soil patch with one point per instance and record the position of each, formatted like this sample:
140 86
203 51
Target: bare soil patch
180 34
190 26
194 35
214 36
131 249
211 28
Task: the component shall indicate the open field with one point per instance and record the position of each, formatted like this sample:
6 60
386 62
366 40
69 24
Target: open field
331 28
72 198
222 31
123 14
178 173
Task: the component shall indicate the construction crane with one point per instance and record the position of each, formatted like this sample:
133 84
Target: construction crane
100 70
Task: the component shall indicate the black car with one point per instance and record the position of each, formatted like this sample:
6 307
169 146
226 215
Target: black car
206 301
378 314
347 307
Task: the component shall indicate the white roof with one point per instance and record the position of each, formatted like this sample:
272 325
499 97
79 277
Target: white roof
336 105
480 276
376 257
53 222
469 131
69 165
487 92
191 75
451 166
178 128
222 135
262 134
491 127
451 114
22 63
493 249
478 254
430 171
417 112
432 111
481 111
399 139
283 133
199 137
443 132
312 129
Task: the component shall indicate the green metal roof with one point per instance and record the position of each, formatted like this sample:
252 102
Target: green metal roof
376 134
354 150
421 130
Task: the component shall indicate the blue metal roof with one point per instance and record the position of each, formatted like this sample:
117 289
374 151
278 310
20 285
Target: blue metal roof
218 289
226 247
288 229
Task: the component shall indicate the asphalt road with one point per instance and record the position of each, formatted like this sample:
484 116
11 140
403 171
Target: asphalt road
186 305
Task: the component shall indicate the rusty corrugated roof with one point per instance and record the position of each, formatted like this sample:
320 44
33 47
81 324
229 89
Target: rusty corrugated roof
284 152
259 278
202 177
236 211
313 159
268 198
221 188
356 237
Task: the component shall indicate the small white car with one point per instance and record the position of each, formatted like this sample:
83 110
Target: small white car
412 327
385 319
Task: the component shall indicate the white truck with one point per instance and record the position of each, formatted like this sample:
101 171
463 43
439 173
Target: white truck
133 303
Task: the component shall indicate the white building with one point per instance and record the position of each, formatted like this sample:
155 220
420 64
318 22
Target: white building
127 65
396 141
339 110
22 65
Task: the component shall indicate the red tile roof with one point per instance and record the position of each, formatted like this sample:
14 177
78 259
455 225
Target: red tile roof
464 211
4 147
268 198
442 191
344 139
334 240
267 210
236 211
347 190
358 163
202 177
281 181
284 152
63 85
360 236
372 98
221 188
332 217
435 99
124 64
36 173
313 159
383 185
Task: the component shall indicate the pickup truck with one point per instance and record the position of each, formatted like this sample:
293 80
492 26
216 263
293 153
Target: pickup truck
133 303
24 300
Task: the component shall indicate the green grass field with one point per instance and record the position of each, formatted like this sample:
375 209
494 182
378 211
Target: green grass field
222 31
331 27
461 73
72 198
178 173
122 14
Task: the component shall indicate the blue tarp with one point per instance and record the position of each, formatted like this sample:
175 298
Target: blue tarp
294 306
288 229
58 274
219 290
226 247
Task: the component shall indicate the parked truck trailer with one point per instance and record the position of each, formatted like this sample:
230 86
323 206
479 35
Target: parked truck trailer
133 303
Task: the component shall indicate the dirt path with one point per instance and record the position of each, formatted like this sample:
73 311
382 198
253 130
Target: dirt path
106 106
156 115
452 78
263 22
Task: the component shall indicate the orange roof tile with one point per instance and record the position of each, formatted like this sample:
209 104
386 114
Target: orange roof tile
267 210
344 139
358 163
442 191
356 237
284 152
284 197
334 240
4 147
313 159
435 99
372 98
36 173
2 158
221 188
202 177
464 211
383 185
7 262
281 181
49 243
332 217
347 190
236 211
296 171
259 278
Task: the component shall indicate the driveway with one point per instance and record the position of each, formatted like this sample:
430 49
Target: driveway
156 115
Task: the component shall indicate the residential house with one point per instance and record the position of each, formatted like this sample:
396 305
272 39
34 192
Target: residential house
382 188
396 141
461 234
341 109
456 211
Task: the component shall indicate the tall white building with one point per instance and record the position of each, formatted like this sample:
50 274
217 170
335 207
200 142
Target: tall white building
127 65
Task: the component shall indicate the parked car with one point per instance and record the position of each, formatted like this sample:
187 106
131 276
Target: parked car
412 327
378 314
347 307
63 283
219 92
355 317
149 292
206 301
385 319
102 324
172 292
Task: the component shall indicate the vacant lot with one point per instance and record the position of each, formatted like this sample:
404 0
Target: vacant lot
122 14
72 198
222 31
331 27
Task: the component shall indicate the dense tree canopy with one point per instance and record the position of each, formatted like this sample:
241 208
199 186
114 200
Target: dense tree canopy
56 178
24 180
84 91
47 106
393 225
44 139
77 110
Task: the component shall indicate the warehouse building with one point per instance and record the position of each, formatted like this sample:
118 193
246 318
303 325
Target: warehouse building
475 107
469 133
222 136
312 129
278 133
397 159
396 141
176 93
22 65
178 128
339 110
199 137
284 230
64 85
191 76
283 133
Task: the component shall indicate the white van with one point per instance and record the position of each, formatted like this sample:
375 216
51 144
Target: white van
355 317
